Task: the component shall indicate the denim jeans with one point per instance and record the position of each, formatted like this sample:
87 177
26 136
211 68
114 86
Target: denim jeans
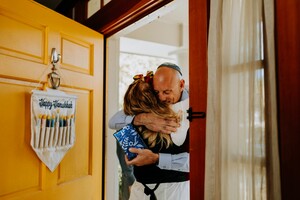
127 174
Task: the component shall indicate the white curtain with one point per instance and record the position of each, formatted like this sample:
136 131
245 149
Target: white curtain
238 128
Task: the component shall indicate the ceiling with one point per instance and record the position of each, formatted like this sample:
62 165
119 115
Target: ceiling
50 4
171 18
178 15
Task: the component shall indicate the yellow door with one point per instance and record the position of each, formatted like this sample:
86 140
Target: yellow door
28 32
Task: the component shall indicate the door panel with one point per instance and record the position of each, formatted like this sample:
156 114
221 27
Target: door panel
198 10
287 27
76 54
33 48
26 40
13 143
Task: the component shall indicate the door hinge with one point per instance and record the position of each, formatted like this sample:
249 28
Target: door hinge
192 114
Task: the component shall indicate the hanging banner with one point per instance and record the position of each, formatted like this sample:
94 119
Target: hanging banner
52 125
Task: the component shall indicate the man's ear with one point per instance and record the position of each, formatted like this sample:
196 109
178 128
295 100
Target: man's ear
182 82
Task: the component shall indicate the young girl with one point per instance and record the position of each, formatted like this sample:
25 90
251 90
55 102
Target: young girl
141 98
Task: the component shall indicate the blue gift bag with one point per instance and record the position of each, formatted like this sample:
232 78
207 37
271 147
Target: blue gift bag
129 137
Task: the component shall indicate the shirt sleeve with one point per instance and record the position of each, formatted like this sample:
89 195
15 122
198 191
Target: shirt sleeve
179 136
177 162
119 120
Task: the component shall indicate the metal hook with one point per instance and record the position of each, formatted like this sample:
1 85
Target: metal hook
53 77
55 57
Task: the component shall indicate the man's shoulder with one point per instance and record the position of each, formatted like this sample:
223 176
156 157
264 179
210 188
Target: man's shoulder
185 94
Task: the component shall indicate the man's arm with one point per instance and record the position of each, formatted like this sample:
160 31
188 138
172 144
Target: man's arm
177 162
150 120
156 123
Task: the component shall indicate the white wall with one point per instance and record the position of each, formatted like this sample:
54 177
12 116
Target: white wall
112 96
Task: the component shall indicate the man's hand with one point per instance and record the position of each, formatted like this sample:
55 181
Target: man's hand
144 157
155 123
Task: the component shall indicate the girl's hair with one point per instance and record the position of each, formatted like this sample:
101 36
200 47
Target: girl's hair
140 98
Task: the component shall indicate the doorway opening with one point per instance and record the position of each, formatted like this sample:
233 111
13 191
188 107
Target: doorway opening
159 37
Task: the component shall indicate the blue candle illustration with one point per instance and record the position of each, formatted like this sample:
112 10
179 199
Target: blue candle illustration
47 135
64 131
52 124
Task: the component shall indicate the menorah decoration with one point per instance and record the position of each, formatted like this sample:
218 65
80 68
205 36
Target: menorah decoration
52 125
